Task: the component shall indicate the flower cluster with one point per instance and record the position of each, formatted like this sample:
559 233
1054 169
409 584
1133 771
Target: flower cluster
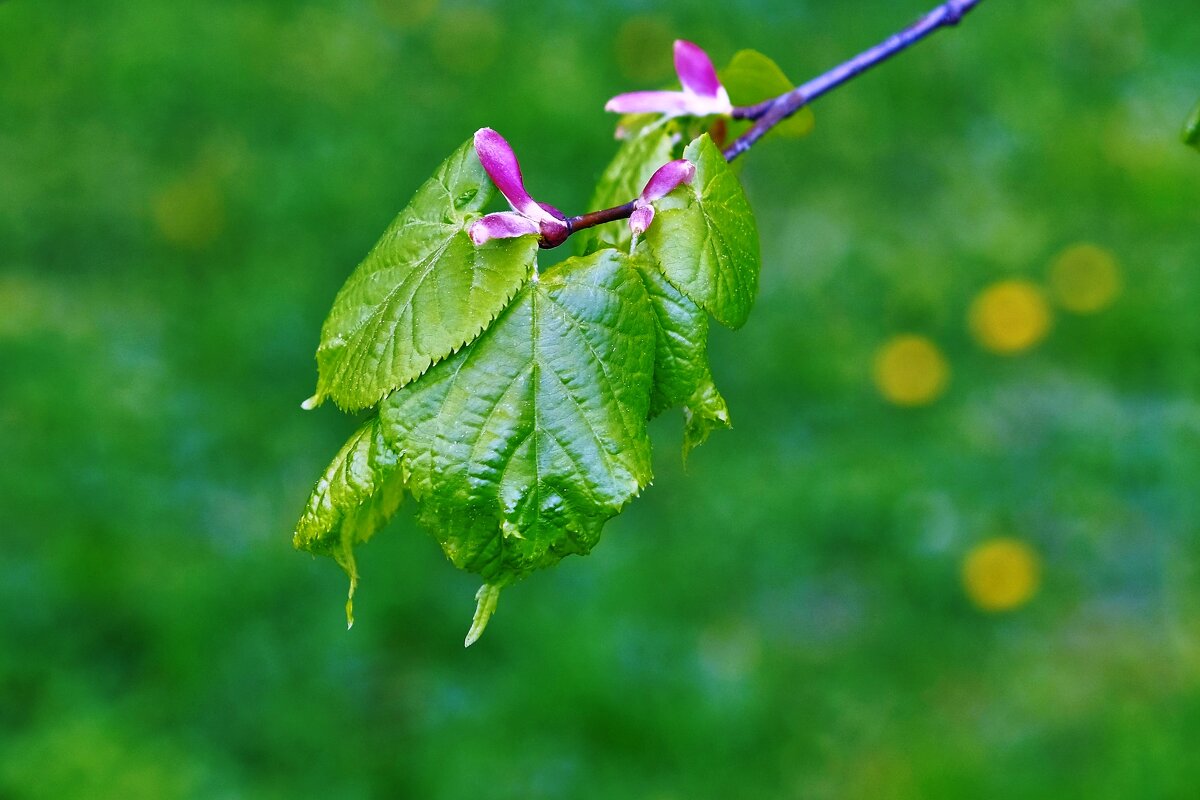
702 95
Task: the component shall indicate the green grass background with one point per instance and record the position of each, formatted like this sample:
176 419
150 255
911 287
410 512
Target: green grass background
184 187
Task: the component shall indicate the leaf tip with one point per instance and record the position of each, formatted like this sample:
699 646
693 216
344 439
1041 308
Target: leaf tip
345 558
350 601
485 606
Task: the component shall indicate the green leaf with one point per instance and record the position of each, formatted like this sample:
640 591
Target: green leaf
681 371
1191 129
359 492
705 240
520 446
630 126
752 77
422 292
626 176
703 411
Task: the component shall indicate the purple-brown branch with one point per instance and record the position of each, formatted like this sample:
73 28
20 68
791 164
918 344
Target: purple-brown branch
593 218
770 113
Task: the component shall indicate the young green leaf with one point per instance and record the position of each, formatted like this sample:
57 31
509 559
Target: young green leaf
520 446
752 77
359 492
636 160
422 292
704 238
681 371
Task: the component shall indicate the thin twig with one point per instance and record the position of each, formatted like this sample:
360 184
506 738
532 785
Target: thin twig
593 218
770 113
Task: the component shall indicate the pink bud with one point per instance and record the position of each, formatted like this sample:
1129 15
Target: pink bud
528 215
501 165
664 181
501 225
640 219
702 93
667 177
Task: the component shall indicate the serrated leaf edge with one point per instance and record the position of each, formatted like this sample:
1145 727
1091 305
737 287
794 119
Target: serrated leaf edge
318 399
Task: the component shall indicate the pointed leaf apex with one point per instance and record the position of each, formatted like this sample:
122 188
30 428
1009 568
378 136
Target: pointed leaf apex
350 597
485 606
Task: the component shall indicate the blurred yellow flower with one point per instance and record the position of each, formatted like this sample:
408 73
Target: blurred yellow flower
1009 316
910 370
1085 278
1001 574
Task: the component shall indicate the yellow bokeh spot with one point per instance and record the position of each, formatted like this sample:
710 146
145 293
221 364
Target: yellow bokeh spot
1001 574
643 49
910 370
1085 278
1010 316
190 213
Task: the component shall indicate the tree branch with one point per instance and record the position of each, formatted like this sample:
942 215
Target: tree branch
770 113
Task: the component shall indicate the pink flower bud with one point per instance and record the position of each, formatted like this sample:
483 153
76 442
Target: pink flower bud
702 93
528 215
664 181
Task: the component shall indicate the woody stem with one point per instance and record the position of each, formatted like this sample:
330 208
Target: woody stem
770 113
593 218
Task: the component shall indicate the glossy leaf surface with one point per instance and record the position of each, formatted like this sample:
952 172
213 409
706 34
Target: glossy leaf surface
682 377
424 290
704 238
520 446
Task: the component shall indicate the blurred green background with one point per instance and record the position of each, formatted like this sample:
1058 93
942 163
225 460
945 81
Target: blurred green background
949 549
